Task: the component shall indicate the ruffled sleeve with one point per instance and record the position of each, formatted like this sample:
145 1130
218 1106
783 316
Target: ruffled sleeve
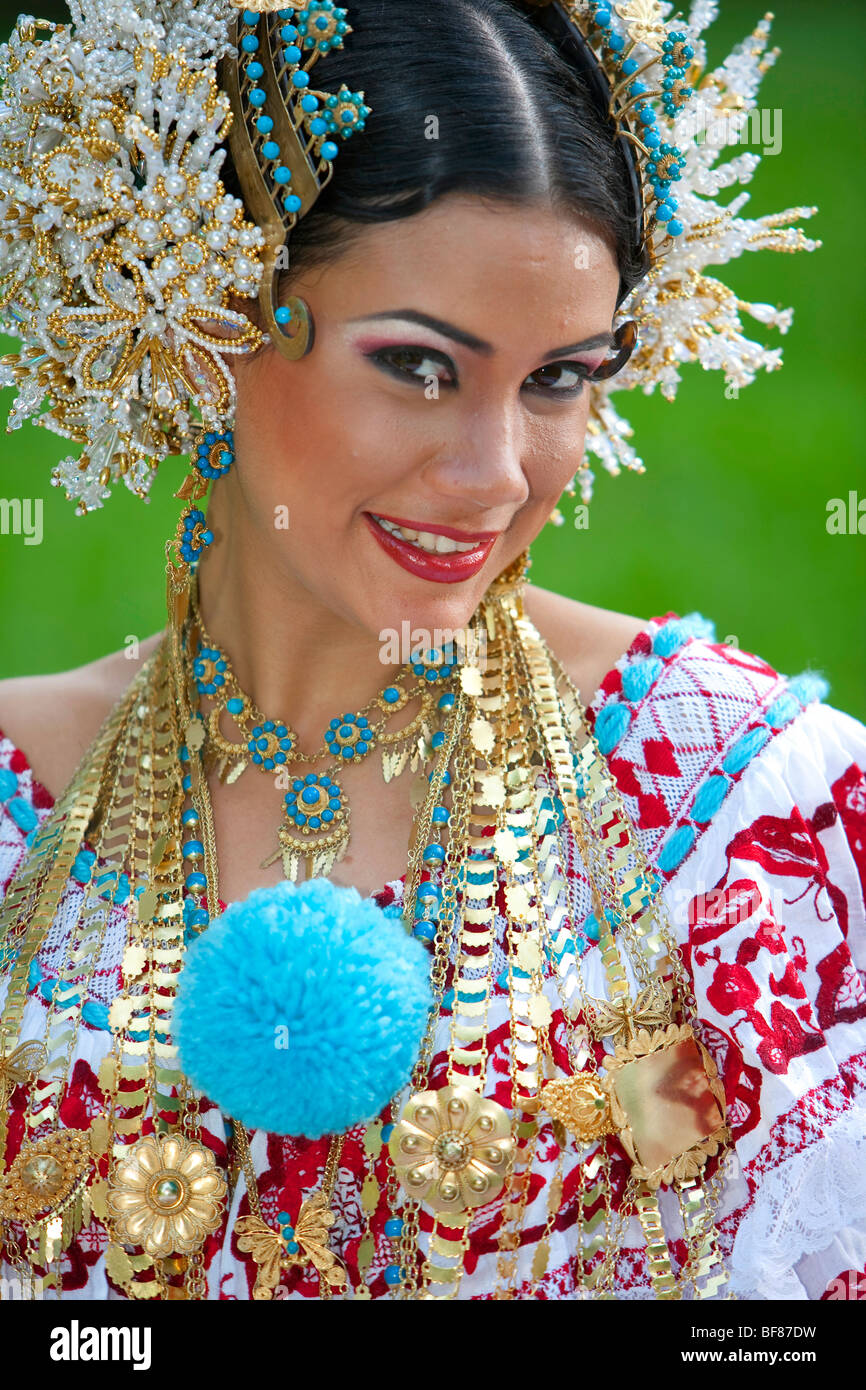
749 794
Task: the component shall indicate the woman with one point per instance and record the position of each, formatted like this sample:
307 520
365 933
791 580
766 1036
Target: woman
388 462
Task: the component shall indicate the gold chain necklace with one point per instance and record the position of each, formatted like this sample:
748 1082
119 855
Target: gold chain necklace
510 754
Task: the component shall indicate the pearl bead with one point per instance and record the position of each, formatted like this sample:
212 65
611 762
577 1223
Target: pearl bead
167 1192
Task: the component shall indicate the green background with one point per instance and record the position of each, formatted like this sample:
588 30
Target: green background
730 518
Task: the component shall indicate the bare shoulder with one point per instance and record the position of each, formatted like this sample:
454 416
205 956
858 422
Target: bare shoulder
588 641
54 718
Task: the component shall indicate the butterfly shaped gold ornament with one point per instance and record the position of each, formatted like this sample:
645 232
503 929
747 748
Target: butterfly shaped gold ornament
304 1243
16 1068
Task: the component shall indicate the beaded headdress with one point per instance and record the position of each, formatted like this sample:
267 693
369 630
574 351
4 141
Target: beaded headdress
123 257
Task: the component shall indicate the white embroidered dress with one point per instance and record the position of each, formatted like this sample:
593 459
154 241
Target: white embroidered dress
749 798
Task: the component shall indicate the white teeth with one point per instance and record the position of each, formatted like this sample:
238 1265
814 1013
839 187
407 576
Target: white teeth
427 540
445 545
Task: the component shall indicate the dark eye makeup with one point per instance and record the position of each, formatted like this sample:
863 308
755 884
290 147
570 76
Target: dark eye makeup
556 380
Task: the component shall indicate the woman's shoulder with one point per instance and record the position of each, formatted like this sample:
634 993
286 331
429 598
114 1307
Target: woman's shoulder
667 683
587 641
52 719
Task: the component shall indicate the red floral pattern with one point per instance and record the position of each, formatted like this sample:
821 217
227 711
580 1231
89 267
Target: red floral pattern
772 932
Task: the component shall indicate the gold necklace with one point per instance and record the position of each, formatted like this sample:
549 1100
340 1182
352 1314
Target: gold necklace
510 756
316 829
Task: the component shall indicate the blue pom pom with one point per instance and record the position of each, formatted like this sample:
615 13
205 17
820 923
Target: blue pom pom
301 1010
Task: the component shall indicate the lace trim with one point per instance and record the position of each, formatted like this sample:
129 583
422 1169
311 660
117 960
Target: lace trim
798 1209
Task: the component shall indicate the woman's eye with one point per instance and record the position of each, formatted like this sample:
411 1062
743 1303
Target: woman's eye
560 378
415 363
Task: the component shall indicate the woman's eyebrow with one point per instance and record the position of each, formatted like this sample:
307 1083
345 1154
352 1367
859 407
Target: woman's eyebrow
469 340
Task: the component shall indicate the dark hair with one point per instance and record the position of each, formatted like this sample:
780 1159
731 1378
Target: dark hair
515 123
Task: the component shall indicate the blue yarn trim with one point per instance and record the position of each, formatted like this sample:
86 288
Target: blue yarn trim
93 1013
676 633
639 676
641 672
801 691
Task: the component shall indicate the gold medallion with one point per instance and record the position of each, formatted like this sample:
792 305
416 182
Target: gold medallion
451 1148
166 1195
45 1176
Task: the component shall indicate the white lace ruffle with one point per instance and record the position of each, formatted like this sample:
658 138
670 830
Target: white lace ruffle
799 1208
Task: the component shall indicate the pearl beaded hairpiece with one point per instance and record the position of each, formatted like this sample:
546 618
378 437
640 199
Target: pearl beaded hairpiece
120 248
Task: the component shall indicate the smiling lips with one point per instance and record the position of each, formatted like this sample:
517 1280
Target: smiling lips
438 553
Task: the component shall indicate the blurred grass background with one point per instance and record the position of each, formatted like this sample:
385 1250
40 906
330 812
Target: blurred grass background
730 518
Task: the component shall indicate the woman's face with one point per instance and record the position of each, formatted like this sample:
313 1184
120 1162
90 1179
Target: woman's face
425 440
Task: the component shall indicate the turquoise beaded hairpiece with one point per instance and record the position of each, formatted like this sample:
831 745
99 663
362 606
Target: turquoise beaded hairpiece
606 51
284 135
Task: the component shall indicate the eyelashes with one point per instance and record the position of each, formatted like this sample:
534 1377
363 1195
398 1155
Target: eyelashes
559 380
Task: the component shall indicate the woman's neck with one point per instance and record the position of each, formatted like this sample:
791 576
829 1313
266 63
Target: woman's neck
297 660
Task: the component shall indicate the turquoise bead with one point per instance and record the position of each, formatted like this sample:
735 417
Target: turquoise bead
329 150
234 706
424 931
282 174
283 314
675 227
394 1227
440 815
271 150
391 695
434 854
254 71
393 1275
446 701
257 97
264 124
22 813
249 43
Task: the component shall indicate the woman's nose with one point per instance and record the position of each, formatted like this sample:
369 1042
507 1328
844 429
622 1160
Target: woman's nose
483 463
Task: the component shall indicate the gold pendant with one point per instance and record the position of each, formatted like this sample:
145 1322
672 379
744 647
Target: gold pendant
304 1243
166 1195
667 1104
451 1148
20 1066
45 1177
317 828
581 1104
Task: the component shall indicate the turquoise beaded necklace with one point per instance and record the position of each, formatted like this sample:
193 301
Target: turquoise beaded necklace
316 825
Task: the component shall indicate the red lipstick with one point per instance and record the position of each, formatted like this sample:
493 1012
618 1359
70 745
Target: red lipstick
440 569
